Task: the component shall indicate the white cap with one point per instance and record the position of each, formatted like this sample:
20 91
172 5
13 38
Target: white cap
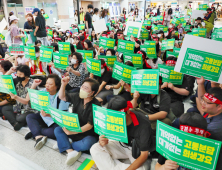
61 30
13 17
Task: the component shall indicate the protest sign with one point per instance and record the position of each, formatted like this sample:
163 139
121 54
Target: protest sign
7 84
187 27
145 81
174 54
150 51
108 59
203 7
144 35
46 54
110 123
61 61
147 22
193 33
16 49
133 28
65 119
159 18
81 26
2 36
39 100
125 46
25 39
153 43
168 44
85 53
200 57
162 28
188 150
94 66
99 26
176 50
202 32
134 31
198 13
50 33
64 47
122 72
216 36
106 43
136 59
46 16
169 75
29 52
74 30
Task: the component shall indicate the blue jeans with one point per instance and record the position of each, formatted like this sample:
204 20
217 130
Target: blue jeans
38 126
81 145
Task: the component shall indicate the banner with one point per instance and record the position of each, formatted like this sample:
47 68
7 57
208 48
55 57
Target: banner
64 47
29 52
167 44
188 150
106 43
145 81
134 31
147 22
94 66
162 28
2 36
65 119
61 61
7 84
46 16
50 33
125 46
150 51
16 49
46 54
39 100
108 59
169 75
85 53
150 43
136 59
174 54
81 26
110 123
122 72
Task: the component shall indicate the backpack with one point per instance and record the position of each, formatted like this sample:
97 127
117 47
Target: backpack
170 11
8 39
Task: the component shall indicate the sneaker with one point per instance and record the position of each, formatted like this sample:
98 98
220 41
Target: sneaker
28 136
17 126
40 142
73 157
55 147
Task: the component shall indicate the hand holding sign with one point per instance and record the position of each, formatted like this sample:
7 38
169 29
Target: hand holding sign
68 132
103 141
43 113
13 96
37 82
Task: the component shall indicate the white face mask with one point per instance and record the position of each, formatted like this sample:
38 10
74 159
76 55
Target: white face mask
170 26
37 54
102 70
83 94
91 10
159 35
73 61
67 34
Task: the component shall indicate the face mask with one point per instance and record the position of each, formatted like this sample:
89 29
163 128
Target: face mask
21 79
55 35
37 54
170 26
91 10
159 35
102 70
73 61
67 34
83 94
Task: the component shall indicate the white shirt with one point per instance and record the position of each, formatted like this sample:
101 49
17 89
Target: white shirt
154 65
95 17
22 60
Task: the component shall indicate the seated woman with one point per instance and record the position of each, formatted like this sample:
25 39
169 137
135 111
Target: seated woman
41 124
82 105
22 108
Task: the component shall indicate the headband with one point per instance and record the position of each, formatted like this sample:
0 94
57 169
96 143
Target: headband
104 35
170 62
104 65
119 34
194 130
140 52
212 98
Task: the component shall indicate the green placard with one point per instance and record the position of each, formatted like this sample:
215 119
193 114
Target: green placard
188 150
39 100
45 46
187 27
174 54
216 36
162 28
108 59
25 39
150 50
7 84
16 49
2 36
169 75
193 33
147 22
46 54
110 123
46 16
134 31
106 43
159 18
85 53
30 52
144 35
176 50
125 46
199 63
203 7
81 26
167 44
61 61
64 47
122 72
50 33
65 119
153 43
202 32
136 59
94 66
145 81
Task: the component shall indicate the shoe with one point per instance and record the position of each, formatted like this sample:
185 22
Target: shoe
17 126
28 136
73 157
55 147
40 142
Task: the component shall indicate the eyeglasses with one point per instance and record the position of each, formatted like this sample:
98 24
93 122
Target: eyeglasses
85 88
204 102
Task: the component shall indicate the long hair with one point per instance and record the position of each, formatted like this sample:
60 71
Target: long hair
103 13
31 23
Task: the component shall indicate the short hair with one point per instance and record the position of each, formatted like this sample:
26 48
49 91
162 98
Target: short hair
6 65
96 10
89 43
208 9
81 38
56 78
216 92
102 61
111 50
37 49
94 84
38 41
90 6
24 69
199 18
193 119
171 58
117 103
129 63
55 45
78 56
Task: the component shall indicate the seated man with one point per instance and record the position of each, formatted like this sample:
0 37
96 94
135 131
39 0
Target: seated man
107 152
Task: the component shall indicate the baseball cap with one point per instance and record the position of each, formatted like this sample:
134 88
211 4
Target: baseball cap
35 10
13 17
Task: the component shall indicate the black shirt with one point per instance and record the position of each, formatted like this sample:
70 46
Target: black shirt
40 22
85 114
142 133
28 27
89 19
149 105
107 77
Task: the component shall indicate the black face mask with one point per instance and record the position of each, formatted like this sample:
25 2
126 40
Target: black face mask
21 79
